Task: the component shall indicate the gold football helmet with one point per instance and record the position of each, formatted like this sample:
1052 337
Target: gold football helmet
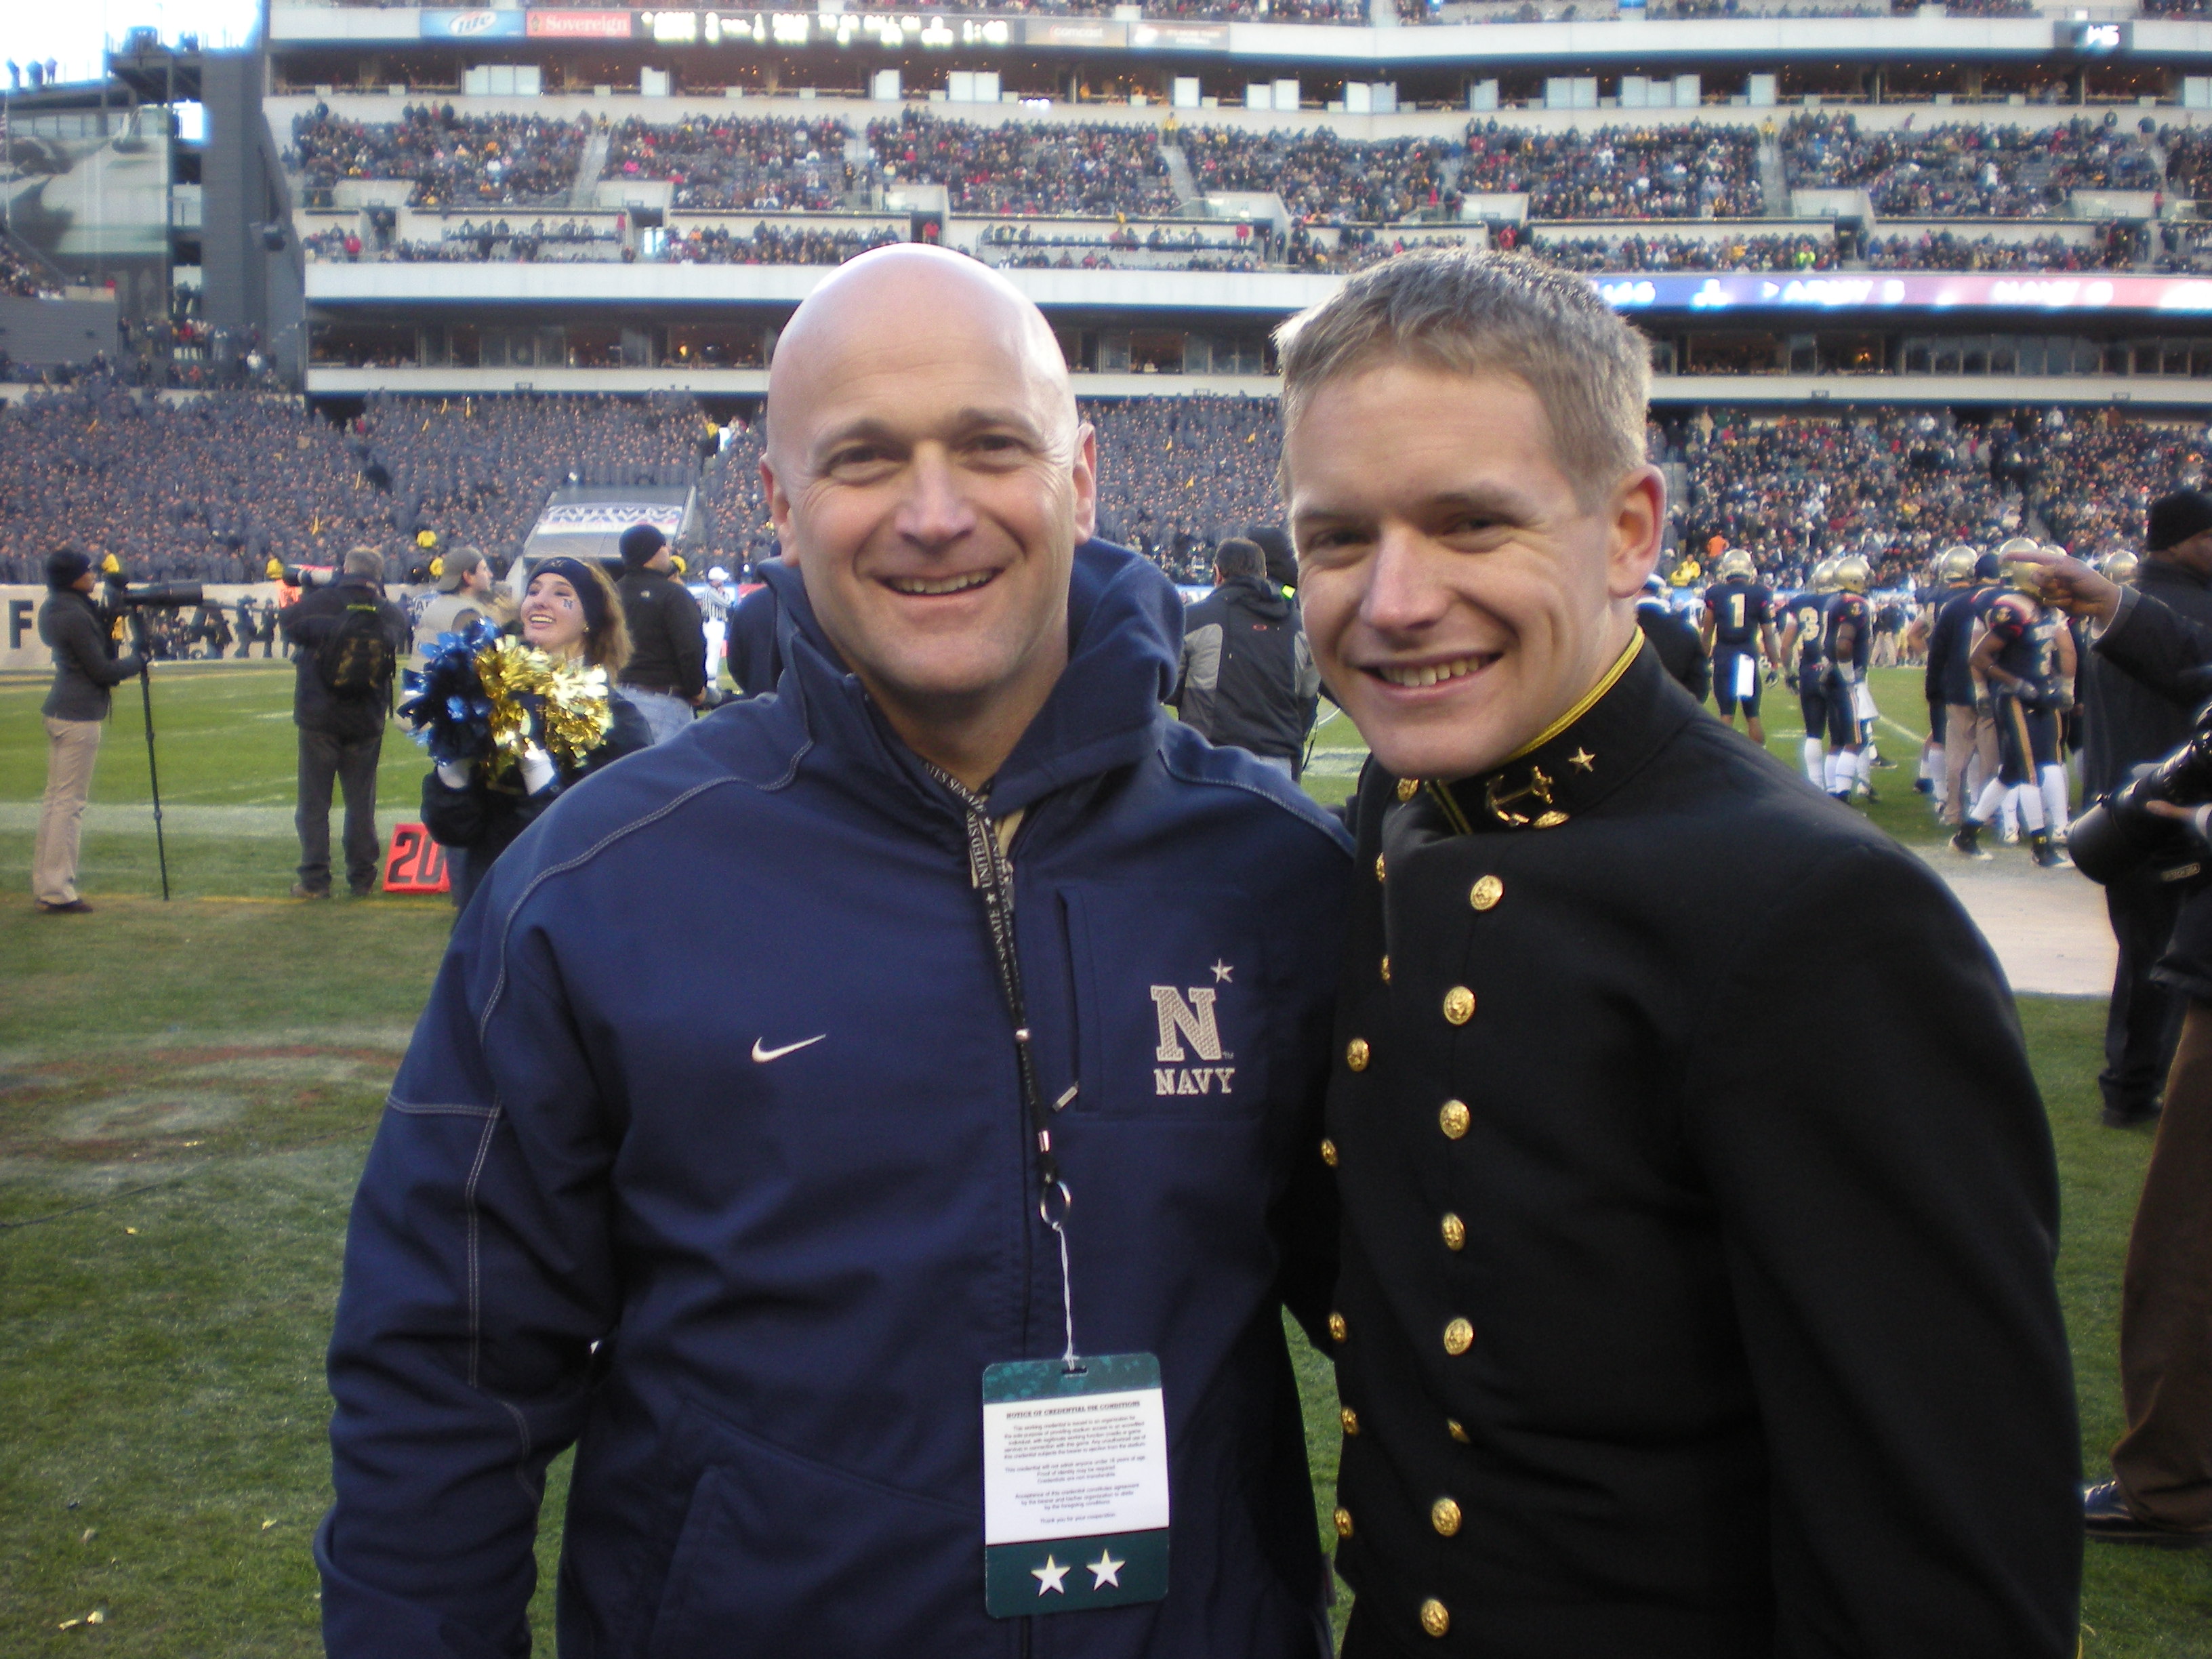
2021 577
1852 573
1956 563
1735 565
1823 578
2120 567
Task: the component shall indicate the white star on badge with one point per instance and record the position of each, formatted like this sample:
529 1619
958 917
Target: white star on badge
1048 1576
1106 1570
1221 970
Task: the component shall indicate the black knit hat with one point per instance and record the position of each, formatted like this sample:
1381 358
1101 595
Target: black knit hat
64 565
1282 563
2174 518
640 542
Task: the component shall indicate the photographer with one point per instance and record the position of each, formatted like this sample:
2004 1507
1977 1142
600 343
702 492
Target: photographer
346 639
2161 1487
86 669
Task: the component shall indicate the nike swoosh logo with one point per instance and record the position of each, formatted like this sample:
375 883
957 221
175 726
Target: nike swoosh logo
764 1055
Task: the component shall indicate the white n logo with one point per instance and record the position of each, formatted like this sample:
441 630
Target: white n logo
1193 1019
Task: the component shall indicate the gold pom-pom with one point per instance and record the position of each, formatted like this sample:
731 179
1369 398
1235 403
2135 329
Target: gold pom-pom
569 699
578 715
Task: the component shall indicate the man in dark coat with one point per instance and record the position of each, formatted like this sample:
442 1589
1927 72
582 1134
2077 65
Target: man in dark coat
1662 1329
1247 679
2125 724
85 670
341 730
666 675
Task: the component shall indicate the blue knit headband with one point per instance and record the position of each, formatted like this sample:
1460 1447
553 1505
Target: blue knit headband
579 576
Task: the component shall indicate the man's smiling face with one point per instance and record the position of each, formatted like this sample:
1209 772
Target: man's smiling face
1458 594
926 473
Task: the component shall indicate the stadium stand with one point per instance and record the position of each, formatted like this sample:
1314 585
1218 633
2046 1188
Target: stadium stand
1788 251
766 163
1947 250
1093 168
1959 168
454 160
1320 176
1619 173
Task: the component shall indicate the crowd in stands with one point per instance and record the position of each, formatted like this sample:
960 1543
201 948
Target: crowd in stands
1357 248
2188 162
454 161
210 488
19 279
470 243
1320 176
768 163
1945 249
1095 168
1957 169
772 245
1688 172
1025 248
1657 253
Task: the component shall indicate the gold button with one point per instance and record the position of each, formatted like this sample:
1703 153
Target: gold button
1452 1117
1436 1618
1355 1054
1456 1430
1550 820
1459 1004
1378 866
1386 970
1344 1523
1408 787
1336 1326
1486 893
1459 1337
1349 1418
1455 1229
1328 1152
1443 1516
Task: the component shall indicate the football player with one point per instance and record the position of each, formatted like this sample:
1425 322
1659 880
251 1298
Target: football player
1739 635
1801 641
1955 574
1846 647
2023 665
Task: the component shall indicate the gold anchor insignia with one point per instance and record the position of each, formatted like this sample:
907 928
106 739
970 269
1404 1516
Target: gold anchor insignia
1537 789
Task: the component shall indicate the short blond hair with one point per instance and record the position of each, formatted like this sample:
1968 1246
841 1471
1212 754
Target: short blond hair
1486 314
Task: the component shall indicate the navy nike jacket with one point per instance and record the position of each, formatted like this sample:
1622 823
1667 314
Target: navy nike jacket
748 1240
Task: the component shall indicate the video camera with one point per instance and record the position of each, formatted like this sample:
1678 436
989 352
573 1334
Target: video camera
154 596
2120 834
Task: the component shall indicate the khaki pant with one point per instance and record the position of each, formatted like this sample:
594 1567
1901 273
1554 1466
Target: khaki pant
72 746
1967 736
2164 1461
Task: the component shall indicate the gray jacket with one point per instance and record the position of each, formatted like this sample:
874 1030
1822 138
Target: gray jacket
75 629
2125 722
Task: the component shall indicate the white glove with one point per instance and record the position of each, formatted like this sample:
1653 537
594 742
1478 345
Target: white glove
455 774
537 769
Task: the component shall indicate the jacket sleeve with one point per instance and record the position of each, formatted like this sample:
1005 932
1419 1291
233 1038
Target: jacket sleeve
1889 1207
479 1273
78 639
457 817
2152 642
687 640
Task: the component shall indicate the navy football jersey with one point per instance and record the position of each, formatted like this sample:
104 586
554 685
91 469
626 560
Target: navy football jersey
1809 611
1739 610
1851 608
2029 633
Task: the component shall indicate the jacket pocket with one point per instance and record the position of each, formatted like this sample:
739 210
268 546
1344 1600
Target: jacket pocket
1172 1001
781 1555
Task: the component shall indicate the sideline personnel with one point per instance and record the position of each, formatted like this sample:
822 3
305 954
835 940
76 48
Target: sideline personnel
346 639
751 1241
1653 1337
86 672
666 676
1247 679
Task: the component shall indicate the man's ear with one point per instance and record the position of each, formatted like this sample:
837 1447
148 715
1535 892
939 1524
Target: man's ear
1636 524
1086 483
779 507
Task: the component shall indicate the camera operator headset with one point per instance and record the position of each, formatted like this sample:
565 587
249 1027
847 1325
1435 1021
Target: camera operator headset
2161 1486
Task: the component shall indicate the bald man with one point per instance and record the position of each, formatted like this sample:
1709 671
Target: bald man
915 1286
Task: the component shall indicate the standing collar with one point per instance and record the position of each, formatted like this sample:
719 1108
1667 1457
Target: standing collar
1575 762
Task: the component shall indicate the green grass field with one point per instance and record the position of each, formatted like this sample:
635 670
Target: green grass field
186 1092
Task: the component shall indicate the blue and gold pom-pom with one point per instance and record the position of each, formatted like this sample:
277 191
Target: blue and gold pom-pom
482 696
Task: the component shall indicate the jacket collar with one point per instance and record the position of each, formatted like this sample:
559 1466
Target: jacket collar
1570 769
1125 640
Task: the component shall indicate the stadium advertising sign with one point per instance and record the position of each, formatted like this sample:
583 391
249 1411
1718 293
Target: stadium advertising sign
1179 36
609 518
578 25
472 25
893 31
1933 292
1097 32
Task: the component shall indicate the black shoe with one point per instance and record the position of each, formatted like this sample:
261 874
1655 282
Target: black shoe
2106 1514
362 890
76 907
1923 786
1967 842
302 891
2044 854
2129 1117
1883 763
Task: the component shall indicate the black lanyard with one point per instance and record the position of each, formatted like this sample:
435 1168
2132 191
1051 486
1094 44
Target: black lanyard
992 876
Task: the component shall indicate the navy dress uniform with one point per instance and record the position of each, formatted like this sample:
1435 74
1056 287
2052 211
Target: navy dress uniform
1697 1293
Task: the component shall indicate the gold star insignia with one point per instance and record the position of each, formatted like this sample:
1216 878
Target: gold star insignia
1583 760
